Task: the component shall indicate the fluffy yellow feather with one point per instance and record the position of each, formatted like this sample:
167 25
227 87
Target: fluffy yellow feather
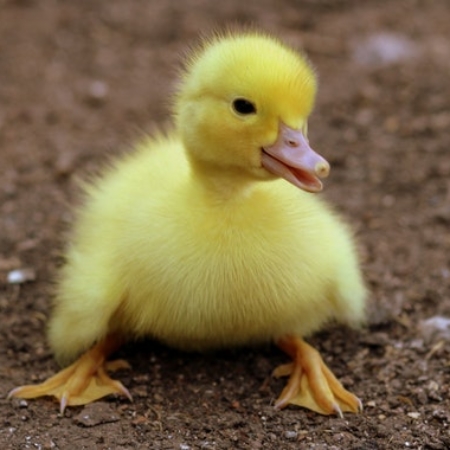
197 239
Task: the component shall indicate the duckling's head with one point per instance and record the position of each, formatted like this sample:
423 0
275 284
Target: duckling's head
242 107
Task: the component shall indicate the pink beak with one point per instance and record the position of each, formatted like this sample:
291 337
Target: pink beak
291 158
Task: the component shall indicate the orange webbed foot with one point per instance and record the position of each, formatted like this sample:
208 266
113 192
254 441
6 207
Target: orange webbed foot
84 381
311 384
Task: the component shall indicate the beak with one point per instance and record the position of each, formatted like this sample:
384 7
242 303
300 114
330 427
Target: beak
291 158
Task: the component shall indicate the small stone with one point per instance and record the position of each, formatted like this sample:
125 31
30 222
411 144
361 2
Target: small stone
413 415
20 276
64 164
435 328
290 434
96 414
382 49
97 92
442 415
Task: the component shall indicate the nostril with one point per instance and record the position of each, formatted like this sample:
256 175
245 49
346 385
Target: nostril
292 143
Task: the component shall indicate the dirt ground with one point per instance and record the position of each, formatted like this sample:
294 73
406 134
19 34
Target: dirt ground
80 81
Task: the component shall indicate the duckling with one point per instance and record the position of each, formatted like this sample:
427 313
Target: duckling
211 236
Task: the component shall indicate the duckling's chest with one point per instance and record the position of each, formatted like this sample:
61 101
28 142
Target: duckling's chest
219 275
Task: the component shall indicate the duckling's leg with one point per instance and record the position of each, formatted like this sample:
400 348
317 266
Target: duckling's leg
311 383
84 381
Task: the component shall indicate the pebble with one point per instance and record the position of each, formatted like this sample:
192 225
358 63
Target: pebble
381 49
97 93
19 276
290 434
96 414
441 415
65 164
435 328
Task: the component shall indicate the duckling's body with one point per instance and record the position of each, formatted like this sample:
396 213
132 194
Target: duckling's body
199 268
196 239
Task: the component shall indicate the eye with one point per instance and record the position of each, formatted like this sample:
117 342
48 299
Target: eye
244 106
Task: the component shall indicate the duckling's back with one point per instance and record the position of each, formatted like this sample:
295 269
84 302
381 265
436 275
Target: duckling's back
90 288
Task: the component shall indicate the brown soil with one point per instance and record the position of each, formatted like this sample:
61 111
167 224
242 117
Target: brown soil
79 81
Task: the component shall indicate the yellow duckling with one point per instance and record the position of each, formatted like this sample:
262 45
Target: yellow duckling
196 239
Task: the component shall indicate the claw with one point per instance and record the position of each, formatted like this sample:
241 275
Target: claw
311 383
85 381
63 404
338 410
126 392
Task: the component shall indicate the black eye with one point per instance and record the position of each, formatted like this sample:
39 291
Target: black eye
243 106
